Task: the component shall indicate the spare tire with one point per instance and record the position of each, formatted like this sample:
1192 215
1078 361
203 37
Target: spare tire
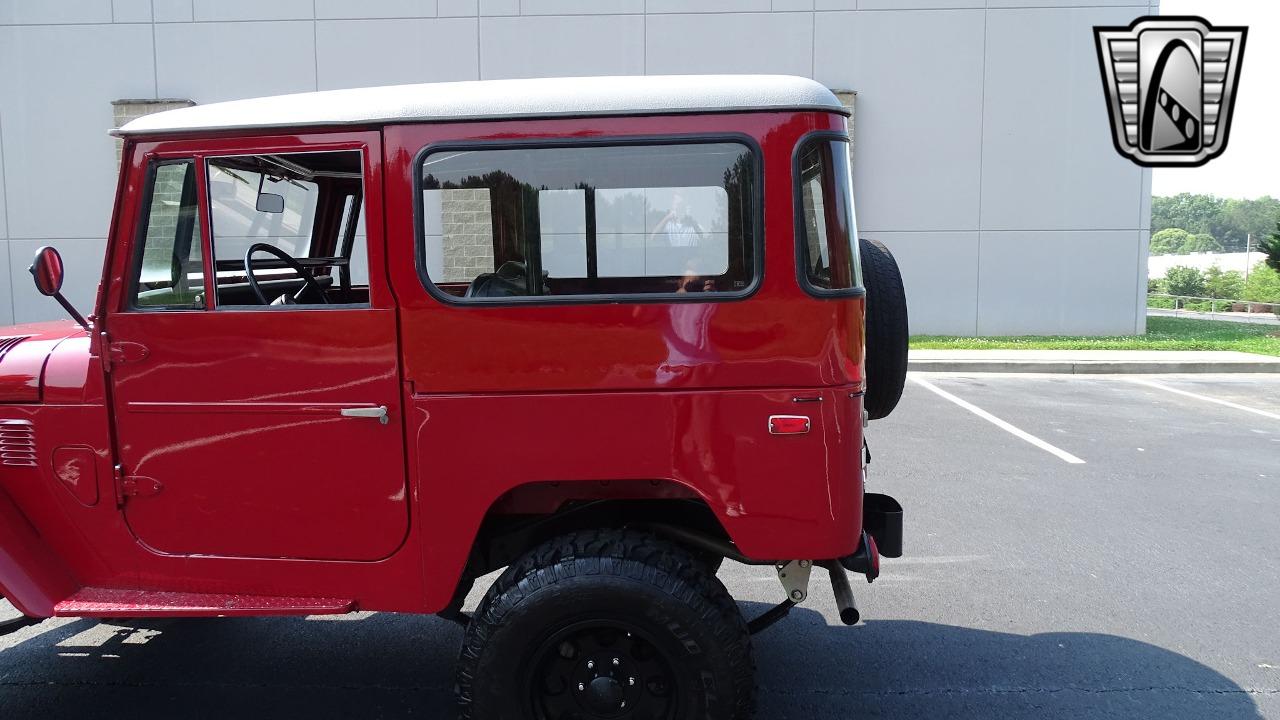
886 329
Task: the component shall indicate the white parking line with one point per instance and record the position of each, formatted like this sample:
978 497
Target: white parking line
1063 454
1206 398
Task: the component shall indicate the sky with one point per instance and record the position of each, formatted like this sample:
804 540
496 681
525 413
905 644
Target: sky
1250 166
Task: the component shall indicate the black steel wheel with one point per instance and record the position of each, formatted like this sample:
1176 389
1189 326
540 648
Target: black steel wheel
607 625
601 669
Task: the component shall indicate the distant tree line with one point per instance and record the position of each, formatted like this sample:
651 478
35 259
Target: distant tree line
1206 223
1261 285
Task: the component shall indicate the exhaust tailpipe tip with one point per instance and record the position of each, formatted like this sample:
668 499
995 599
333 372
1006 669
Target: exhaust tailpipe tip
849 614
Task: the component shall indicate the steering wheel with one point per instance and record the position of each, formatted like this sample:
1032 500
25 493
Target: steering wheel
308 280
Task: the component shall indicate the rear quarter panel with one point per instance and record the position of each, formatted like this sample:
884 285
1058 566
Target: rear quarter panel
502 396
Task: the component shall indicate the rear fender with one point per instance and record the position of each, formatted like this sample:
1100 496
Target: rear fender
32 577
777 495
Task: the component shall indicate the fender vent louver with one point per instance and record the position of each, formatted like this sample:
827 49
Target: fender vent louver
17 443
7 343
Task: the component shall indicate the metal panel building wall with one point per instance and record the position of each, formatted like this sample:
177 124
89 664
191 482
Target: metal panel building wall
982 150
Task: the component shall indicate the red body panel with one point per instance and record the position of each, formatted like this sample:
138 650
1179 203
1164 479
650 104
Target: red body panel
23 352
262 490
778 497
236 451
585 393
779 337
32 577
226 409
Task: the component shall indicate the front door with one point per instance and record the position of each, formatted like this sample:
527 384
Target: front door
253 353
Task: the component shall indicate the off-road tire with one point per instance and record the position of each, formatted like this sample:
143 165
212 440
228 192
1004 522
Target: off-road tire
887 333
608 575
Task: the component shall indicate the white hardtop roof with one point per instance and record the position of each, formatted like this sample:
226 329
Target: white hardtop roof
499 99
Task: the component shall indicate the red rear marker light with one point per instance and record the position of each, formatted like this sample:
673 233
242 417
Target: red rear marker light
788 424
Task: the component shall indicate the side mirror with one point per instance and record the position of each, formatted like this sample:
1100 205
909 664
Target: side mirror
47 272
270 203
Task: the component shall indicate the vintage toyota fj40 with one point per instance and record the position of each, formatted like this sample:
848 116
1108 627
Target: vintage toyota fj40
355 349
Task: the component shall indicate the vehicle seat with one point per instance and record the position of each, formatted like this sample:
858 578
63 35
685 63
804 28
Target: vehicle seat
510 280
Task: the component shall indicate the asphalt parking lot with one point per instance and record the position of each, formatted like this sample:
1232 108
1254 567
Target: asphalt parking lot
1120 558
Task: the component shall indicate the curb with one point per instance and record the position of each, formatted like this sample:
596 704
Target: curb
1092 367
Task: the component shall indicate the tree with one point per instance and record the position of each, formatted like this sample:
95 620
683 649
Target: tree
1263 284
1201 242
1176 241
1230 221
1228 285
1241 218
1271 246
1169 241
1192 213
1184 280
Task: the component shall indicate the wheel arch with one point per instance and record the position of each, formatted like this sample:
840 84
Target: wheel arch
529 514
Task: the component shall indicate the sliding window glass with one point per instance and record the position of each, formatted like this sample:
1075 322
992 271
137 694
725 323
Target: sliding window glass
604 221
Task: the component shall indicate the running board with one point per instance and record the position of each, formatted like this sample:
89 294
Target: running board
106 602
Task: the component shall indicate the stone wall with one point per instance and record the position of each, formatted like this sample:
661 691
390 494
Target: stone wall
162 224
467 227
125 110
847 98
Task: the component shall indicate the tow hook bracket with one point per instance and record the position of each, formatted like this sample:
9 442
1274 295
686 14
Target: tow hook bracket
770 616
794 576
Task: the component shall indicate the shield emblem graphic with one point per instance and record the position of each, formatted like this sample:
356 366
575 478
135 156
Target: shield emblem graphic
1170 84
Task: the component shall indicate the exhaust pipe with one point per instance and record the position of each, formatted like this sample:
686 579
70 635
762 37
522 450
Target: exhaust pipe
844 594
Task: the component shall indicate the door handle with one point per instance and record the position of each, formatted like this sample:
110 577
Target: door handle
379 412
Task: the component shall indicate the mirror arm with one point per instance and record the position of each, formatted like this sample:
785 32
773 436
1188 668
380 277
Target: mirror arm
71 310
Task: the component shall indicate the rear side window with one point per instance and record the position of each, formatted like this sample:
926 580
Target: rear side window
827 237
168 272
604 220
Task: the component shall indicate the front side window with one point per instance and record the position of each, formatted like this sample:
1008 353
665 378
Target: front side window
167 271
675 219
826 233
300 215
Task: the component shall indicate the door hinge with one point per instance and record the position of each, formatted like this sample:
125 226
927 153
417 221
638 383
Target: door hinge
104 348
119 352
128 486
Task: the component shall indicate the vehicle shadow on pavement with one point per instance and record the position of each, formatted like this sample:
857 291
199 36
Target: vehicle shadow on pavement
362 666
399 666
908 669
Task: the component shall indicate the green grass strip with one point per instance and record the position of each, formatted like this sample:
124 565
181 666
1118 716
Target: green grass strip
1163 333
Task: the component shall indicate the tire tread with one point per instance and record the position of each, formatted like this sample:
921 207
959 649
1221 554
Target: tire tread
632 554
887 334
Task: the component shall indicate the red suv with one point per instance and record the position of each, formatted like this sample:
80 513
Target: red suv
353 350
